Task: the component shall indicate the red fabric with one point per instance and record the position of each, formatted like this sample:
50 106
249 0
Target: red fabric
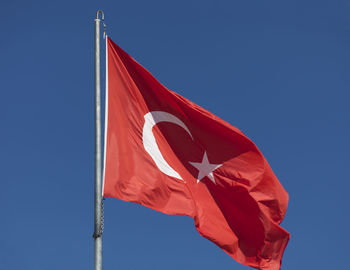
240 212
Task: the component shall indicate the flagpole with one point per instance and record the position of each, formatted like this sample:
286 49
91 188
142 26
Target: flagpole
98 152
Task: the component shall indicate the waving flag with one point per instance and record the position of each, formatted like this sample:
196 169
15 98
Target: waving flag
169 154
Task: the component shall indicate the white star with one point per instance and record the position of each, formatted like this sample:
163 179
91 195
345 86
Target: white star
205 168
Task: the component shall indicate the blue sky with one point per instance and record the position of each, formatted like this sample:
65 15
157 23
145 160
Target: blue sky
278 70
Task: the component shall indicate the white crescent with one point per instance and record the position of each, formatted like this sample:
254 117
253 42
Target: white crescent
149 141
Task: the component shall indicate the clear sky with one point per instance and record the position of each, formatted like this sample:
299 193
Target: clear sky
278 70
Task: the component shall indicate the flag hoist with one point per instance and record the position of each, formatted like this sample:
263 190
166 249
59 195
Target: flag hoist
98 215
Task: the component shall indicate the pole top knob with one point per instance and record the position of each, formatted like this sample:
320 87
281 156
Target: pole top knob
102 15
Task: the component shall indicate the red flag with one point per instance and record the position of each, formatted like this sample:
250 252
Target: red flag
169 154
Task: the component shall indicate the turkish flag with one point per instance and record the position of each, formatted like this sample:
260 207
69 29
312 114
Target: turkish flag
169 154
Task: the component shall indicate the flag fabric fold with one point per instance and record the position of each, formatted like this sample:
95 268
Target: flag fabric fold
169 154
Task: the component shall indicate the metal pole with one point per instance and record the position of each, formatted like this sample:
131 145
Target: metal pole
98 152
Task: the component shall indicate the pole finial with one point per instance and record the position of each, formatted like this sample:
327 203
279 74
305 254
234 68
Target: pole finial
102 15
